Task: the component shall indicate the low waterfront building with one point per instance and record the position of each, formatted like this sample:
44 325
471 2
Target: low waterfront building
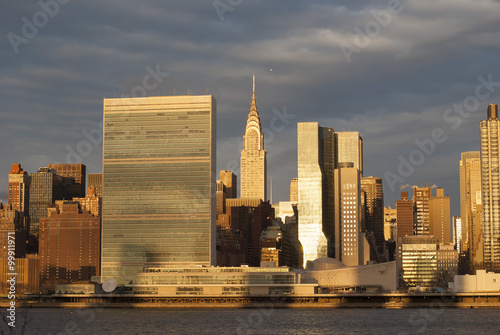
220 281
482 281
333 276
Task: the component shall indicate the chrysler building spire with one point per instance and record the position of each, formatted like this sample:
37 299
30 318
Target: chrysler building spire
253 156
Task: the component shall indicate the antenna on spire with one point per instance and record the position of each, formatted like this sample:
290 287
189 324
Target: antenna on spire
254 82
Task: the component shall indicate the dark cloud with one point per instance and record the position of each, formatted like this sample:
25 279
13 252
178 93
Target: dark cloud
394 90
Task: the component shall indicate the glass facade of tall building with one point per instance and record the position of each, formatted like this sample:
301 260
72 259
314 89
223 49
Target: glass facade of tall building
350 148
158 184
470 199
46 187
490 186
316 165
418 259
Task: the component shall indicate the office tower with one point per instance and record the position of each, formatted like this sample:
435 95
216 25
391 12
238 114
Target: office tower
253 157
91 203
26 272
405 216
294 190
46 187
70 245
447 264
220 198
421 199
350 148
12 232
74 179
316 207
262 217
278 245
390 223
228 178
374 212
349 237
490 185
233 234
417 260
158 184
19 191
470 207
439 217
95 181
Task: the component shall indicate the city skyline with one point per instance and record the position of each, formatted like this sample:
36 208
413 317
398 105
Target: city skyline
394 91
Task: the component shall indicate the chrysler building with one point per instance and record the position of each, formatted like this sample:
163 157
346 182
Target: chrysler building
253 156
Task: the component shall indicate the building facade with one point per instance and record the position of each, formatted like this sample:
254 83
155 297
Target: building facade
253 157
470 208
316 207
46 187
158 184
19 191
439 217
294 190
70 245
95 181
374 213
490 186
421 200
349 147
349 236
404 216
229 179
92 203
417 261
74 179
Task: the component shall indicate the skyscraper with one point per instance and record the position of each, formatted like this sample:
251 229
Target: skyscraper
74 179
19 191
253 156
439 217
404 216
158 184
70 245
95 181
350 148
470 206
421 199
374 211
46 187
490 185
349 237
228 178
316 207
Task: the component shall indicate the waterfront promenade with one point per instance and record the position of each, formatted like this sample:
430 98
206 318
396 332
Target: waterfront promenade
349 300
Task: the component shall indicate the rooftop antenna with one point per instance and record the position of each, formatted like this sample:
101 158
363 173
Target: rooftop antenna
254 82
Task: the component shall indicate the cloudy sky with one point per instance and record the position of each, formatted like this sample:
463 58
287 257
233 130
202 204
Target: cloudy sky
414 77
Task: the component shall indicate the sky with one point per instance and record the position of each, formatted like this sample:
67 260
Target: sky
414 77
